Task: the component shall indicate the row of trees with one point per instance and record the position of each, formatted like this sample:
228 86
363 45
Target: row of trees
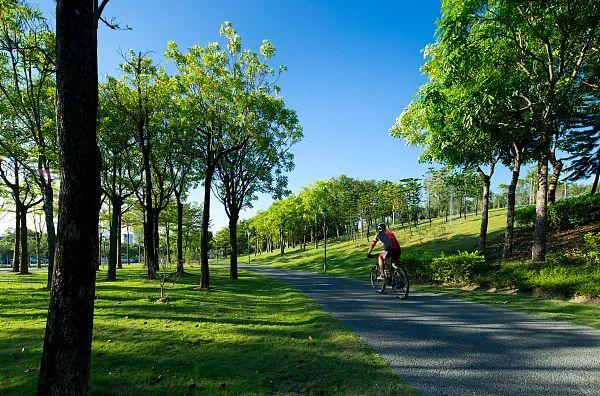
512 82
135 145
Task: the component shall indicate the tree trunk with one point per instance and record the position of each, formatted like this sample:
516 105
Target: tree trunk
50 231
281 241
179 236
556 169
595 184
17 246
205 276
538 250
485 206
112 240
38 237
24 270
119 242
233 260
510 207
156 240
150 257
65 365
168 241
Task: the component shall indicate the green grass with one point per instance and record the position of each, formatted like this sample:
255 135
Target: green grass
253 336
347 259
583 314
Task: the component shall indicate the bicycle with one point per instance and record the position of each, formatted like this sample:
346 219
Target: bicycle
394 276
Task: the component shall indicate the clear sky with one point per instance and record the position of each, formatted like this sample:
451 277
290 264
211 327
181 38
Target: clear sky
352 67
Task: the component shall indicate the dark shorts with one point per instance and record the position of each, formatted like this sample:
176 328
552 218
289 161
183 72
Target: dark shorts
393 255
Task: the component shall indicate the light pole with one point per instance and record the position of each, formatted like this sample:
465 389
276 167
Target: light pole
248 244
324 240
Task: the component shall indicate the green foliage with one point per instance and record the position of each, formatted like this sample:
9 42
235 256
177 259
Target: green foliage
564 214
592 247
457 268
525 216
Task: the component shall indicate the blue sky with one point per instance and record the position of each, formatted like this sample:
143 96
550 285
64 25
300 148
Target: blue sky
352 67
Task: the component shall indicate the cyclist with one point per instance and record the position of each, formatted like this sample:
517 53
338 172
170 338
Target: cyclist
391 247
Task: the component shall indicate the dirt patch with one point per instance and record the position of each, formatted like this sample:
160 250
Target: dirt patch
561 241
585 300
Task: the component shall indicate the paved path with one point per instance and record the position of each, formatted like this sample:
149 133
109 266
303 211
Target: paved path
446 346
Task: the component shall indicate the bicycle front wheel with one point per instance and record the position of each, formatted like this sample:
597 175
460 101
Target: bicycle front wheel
401 283
377 284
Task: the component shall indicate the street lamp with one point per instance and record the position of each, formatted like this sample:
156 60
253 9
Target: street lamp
324 240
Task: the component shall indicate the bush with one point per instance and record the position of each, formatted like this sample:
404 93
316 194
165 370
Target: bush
563 214
572 212
525 216
460 267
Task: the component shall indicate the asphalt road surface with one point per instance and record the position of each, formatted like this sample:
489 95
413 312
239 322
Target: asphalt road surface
445 346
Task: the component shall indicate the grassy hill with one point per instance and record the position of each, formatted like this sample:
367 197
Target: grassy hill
347 258
544 289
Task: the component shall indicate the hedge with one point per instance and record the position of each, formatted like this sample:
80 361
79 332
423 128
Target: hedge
564 214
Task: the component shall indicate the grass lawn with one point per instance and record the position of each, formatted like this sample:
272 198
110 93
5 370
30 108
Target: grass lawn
253 336
348 259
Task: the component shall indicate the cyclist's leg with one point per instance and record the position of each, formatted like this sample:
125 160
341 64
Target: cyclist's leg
381 259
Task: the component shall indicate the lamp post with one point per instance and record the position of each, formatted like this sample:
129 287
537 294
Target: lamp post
248 244
324 240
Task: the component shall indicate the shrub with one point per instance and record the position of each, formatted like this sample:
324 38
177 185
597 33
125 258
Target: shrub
525 216
460 267
572 212
563 214
591 247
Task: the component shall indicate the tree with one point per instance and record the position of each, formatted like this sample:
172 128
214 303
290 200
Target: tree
218 87
65 364
258 166
27 67
549 48
116 141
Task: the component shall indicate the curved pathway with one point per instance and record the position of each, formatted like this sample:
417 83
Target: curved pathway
445 346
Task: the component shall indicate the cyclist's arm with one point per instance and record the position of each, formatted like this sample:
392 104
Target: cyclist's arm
373 243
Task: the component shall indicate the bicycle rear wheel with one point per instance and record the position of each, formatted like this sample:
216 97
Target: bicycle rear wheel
376 284
400 283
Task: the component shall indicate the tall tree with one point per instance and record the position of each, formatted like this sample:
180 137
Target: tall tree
259 165
27 67
65 365
218 86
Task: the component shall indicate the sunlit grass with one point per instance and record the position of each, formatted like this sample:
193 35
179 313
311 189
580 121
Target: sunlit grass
253 336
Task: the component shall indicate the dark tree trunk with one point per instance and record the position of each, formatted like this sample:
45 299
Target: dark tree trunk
24 270
233 260
556 169
510 207
485 206
281 241
205 276
50 232
150 258
538 250
17 246
65 365
156 240
168 241
113 240
595 184
179 236
38 237
119 241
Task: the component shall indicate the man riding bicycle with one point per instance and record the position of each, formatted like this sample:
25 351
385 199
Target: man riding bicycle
391 247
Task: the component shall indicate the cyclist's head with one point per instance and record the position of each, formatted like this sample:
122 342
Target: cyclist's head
381 227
